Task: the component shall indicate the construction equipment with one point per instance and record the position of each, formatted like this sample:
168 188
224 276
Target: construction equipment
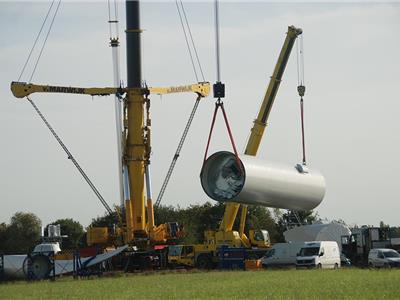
23 89
206 255
136 153
226 232
135 225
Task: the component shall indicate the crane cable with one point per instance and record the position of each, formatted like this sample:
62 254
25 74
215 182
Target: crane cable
301 90
182 15
70 156
219 92
36 40
45 41
187 40
177 153
220 104
217 48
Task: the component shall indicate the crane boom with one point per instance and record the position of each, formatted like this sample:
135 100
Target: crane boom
23 89
260 123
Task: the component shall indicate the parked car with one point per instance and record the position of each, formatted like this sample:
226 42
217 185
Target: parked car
321 255
344 261
383 258
282 254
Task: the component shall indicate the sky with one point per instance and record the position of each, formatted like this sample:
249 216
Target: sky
352 107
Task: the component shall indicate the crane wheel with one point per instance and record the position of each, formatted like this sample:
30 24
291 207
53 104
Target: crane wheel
204 262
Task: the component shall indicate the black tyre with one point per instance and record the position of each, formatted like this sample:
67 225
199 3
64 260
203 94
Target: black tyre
386 266
204 262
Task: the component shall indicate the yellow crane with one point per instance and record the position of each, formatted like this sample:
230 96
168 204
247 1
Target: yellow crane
226 232
136 155
206 255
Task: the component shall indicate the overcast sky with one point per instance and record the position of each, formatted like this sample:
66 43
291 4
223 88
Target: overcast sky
352 103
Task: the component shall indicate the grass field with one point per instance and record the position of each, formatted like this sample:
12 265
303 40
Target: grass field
271 284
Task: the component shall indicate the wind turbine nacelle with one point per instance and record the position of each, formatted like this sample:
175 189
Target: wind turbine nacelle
259 182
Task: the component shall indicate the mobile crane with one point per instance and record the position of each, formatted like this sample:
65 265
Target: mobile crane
137 150
226 232
206 255
137 226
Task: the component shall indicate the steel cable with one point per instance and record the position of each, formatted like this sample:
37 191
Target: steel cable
187 41
192 40
45 41
71 157
36 40
191 117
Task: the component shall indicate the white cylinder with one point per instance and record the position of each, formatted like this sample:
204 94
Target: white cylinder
261 183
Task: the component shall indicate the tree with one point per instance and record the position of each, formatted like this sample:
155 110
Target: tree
22 234
289 219
108 220
259 217
3 237
72 229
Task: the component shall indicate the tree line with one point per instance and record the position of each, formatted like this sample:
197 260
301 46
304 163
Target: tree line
24 230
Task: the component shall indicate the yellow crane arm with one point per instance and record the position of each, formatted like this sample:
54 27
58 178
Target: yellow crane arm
260 122
23 89
201 88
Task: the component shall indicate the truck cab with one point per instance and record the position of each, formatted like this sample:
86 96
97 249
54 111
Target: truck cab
199 255
181 255
321 255
259 238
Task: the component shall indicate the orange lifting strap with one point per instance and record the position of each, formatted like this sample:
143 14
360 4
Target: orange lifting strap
220 104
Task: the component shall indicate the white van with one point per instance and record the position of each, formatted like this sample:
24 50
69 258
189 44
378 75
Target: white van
321 254
282 254
383 258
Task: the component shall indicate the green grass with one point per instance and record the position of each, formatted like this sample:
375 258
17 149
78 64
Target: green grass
271 284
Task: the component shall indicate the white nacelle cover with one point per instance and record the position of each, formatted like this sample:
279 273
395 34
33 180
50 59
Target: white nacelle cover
318 232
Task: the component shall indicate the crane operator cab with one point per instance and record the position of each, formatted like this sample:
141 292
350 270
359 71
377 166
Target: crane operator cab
259 238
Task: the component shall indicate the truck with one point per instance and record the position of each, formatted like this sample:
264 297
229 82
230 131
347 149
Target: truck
319 254
208 255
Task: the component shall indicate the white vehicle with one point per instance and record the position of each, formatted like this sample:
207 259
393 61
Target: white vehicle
282 254
383 258
321 254
47 247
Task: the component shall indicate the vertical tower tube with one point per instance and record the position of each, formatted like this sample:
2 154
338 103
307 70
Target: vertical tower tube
114 43
133 56
135 146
